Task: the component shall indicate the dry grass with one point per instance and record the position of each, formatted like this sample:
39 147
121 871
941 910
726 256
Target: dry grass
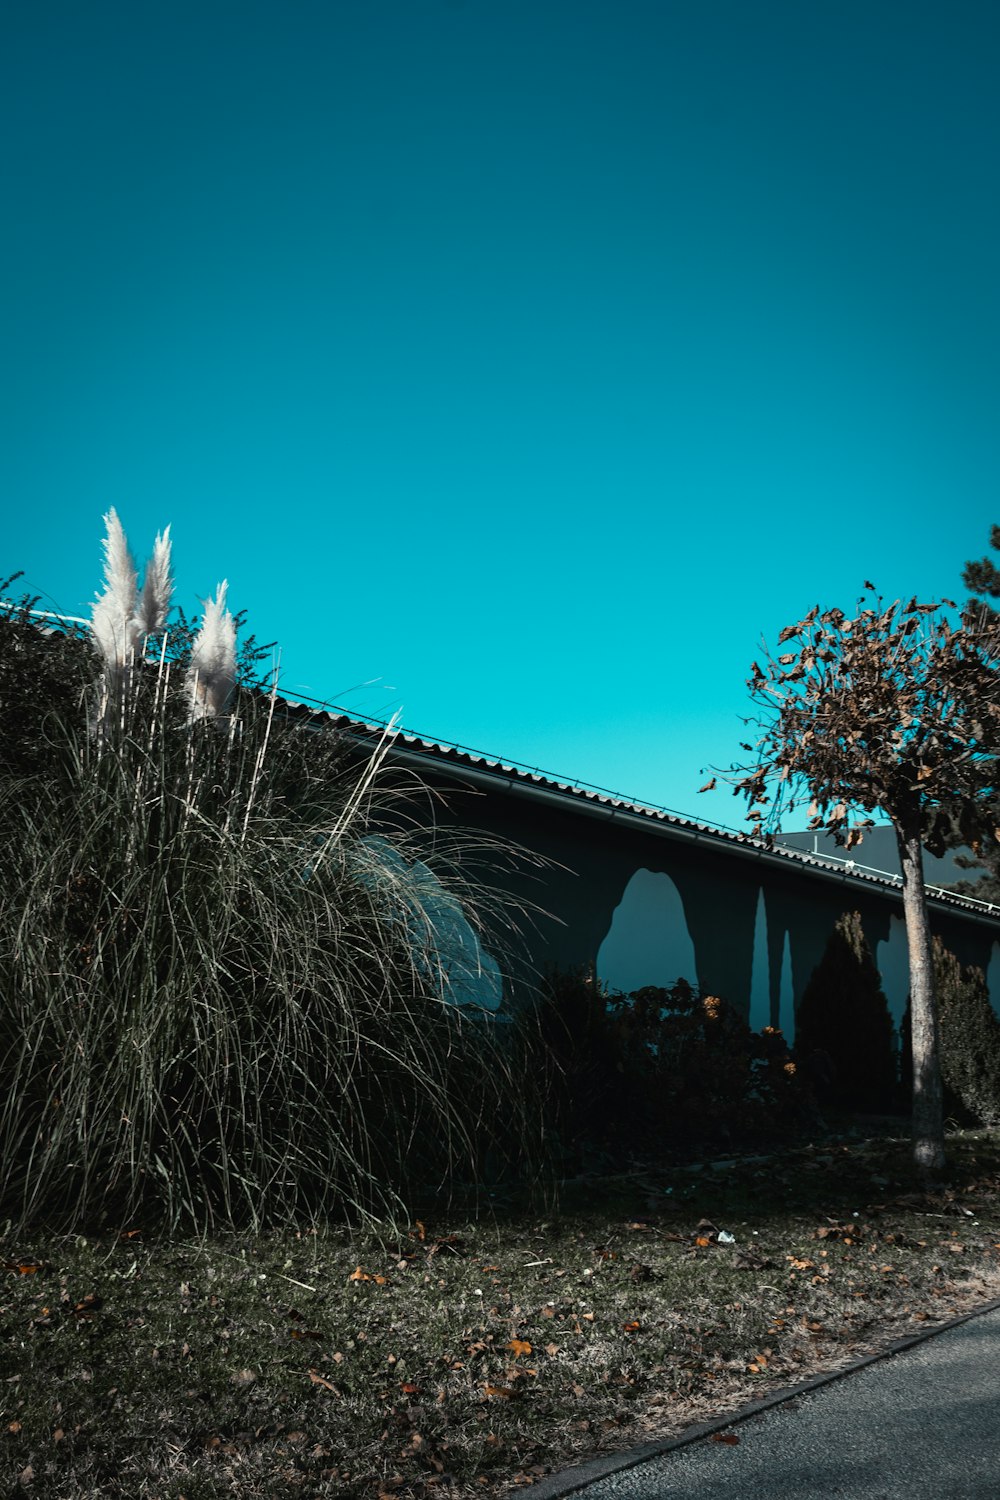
470 1358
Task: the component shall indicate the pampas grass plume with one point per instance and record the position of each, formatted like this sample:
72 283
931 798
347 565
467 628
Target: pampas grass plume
112 614
211 675
157 589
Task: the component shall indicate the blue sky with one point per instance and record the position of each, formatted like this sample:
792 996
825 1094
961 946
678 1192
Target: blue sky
526 360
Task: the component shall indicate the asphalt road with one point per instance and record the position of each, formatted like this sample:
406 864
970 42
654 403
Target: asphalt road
923 1424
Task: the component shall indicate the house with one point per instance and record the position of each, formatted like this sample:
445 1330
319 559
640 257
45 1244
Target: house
640 896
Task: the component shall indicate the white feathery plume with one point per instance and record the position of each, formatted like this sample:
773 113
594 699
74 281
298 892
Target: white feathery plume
211 676
157 589
111 616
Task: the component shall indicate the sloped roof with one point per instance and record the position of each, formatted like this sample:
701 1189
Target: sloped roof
477 767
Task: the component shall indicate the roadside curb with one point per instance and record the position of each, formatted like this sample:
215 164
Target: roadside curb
569 1481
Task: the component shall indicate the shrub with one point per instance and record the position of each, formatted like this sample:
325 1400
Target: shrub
577 1056
224 993
969 1040
694 1070
662 1065
844 1036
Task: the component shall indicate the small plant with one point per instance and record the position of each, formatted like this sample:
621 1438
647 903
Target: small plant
844 1037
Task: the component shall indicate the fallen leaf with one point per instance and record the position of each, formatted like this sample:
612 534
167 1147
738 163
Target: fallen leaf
519 1346
725 1437
319 1380
633 1326
359 1275
499 1390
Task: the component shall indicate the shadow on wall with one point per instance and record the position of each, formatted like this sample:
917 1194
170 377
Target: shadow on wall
648 941
893 964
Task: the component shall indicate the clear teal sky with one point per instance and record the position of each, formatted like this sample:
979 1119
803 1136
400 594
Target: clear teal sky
532 357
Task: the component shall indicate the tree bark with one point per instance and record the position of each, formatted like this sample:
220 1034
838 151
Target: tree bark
928 1124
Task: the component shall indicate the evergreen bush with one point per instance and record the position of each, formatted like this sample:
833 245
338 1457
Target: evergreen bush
844 1036
969 1040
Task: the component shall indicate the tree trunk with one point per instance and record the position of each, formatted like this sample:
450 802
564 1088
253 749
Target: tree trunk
928 1126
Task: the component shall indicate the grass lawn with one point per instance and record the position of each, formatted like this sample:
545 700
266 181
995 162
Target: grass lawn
468 1358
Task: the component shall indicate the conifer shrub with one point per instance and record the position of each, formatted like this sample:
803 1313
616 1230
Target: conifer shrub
844 1036
969 1040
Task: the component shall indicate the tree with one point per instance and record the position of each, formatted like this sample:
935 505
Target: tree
894 711
982 577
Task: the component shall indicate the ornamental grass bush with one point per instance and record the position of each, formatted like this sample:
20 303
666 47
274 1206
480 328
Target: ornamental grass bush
228 957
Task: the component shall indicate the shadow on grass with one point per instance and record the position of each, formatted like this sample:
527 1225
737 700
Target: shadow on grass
849 1165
